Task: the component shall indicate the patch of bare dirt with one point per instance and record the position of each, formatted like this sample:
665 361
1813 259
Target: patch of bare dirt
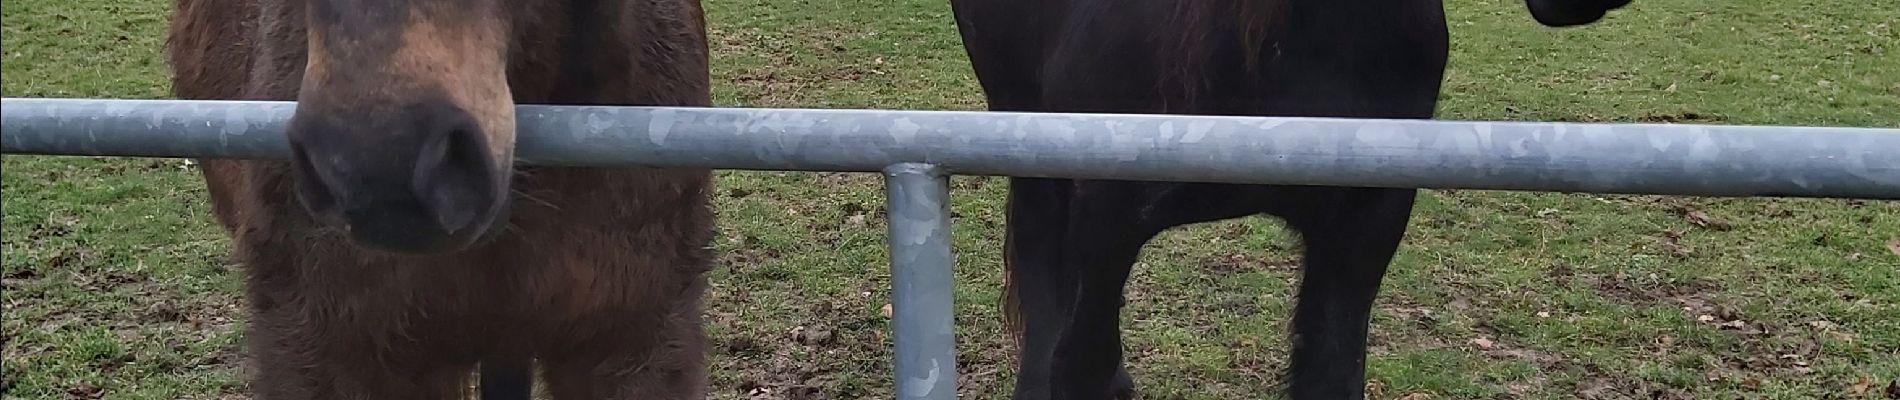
829 355
1245 260
971 182
106 280
746 254
1686 116
1586 117
791 366
19 278
71 257
1763 348
57 225
1690 296
1561 274
1701 219
1623 388
784 78
1619 286
1670 242
1500 349
85 391
1228 263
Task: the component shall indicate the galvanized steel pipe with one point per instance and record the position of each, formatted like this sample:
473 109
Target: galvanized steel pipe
1670 159
922 284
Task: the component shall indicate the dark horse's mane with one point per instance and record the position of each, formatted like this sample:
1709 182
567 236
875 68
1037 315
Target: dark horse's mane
1198 34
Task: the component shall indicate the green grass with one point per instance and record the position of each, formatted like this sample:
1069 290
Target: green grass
117 284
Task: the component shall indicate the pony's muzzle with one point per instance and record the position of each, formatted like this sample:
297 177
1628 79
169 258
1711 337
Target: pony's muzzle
415 181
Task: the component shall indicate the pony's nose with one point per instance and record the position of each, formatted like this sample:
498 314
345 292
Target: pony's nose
415 181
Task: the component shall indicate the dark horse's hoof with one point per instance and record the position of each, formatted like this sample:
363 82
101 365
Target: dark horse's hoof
1123 387
1562 13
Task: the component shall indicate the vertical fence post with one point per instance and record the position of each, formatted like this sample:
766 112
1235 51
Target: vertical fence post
918 208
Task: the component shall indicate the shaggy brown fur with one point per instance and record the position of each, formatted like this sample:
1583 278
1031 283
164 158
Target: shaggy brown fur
597 273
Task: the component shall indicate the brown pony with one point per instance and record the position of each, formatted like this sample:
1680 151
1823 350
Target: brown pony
399 247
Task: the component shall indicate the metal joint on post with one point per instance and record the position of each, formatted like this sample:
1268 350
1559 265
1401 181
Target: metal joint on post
922 284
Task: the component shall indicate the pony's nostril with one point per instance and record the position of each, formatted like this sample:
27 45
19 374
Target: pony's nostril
313 187
453 176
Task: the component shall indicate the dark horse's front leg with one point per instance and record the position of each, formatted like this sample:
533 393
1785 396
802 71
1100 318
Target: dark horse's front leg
1067 265
1071 245
1069 249
1350 235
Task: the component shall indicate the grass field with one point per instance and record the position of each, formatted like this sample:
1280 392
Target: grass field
116 284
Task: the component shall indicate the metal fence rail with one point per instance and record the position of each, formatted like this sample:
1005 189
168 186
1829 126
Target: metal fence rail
917 150
1712 160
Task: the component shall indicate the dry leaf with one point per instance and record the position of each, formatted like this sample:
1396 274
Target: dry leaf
1483 343
887 310
1702 219
1663 344
1416 396
1861 387
1894 246
1677 250
1842 336
1752 383
1543 314
1517 389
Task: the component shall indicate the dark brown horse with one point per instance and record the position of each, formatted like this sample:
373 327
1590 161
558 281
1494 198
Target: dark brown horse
399 247
1070 243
